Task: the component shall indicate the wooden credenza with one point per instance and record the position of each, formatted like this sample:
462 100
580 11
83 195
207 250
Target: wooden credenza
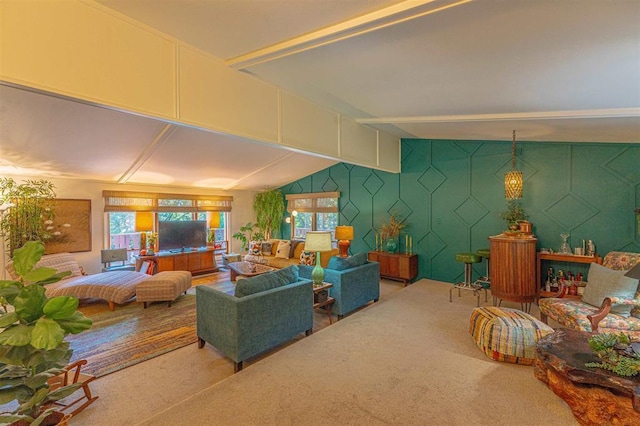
513 268
197 261
397 267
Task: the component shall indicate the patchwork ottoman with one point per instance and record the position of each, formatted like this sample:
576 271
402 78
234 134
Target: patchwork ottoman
163 287
506 334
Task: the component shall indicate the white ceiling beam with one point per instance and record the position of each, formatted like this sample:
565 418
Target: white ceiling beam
382 18
162 136
545 115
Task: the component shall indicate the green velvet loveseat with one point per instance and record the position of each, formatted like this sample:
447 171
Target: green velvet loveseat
266 311
356 282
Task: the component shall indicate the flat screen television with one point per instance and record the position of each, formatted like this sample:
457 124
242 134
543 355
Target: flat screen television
178 235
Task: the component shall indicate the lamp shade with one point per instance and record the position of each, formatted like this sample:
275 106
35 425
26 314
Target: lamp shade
634 272
513 185
318 241
213 219
144 221
344 233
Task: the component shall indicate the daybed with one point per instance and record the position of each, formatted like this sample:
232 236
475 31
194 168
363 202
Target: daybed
356 282
611 301
267 253
114 287
266 310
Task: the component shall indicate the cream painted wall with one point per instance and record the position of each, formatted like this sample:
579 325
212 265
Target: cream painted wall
241 212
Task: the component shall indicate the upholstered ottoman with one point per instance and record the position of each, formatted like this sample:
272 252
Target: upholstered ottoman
163 287
507 334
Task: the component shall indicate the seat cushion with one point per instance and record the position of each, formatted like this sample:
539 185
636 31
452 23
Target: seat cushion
573 314
506 334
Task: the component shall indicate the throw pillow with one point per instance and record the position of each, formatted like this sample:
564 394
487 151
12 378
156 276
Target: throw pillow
284 248
604 282
341 263
307 258
255 248
294 244
266 247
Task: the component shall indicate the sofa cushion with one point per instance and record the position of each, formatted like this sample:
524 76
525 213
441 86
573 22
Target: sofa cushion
61 262
267 247
604 282
255 248
284 249
307 258
341 263
294 247
267 281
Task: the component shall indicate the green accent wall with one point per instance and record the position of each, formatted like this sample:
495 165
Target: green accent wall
452 192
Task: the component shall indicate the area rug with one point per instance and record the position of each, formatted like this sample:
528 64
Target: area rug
131 334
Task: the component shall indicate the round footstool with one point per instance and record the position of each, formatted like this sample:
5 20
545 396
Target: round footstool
506 334
163 287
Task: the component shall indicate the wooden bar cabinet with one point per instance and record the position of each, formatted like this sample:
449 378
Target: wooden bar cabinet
513 269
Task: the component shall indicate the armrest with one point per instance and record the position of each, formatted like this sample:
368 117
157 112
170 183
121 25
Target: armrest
604 310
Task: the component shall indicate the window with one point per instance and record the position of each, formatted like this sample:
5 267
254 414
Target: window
121 208
313 212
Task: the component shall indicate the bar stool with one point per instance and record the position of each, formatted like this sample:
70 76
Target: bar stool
469 259
485 281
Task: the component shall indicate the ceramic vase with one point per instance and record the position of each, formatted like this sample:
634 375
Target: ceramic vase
391 245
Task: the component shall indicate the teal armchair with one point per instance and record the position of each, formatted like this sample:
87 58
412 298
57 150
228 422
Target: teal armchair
355 280
242 327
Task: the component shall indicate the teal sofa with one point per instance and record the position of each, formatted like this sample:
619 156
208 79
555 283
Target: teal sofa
356 282
266 311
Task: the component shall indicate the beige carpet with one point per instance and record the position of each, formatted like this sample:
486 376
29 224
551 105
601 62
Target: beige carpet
406 360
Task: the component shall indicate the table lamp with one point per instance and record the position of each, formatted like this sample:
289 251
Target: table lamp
144 224
344 235
213 221
317 241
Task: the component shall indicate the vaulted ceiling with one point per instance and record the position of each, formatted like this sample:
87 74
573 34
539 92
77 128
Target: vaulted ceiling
554 70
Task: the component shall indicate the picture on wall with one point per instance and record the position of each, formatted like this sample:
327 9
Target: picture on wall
70 227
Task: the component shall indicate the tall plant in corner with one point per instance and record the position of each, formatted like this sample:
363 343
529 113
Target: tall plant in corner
32 345
269 209
31 214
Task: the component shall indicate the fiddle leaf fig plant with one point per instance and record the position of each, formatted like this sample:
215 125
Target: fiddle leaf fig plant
32 345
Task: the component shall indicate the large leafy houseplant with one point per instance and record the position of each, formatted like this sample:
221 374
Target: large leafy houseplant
32 345
269 209
247 233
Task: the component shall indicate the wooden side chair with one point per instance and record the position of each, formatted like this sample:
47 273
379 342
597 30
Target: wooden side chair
70 376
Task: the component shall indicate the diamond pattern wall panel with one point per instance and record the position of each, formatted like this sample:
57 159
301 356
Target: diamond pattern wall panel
452 193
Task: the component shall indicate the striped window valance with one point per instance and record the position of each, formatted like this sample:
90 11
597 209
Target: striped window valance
126 201
316 202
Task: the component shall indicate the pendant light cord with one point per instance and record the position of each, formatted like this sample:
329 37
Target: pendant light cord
513 151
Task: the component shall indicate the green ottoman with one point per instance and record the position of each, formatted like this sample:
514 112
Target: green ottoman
507 335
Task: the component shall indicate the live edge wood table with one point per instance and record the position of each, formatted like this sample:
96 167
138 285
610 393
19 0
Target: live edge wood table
595 396
396 266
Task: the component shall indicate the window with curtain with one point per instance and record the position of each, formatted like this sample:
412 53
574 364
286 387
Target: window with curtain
313 212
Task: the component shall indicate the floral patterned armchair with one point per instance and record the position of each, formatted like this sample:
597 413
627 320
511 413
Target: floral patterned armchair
580 315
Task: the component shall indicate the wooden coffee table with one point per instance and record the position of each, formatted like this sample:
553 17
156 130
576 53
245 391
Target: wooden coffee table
247 269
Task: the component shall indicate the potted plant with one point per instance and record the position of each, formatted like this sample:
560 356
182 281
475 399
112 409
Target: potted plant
247 233
513 215
269 209
619 353
31 213
389 231
32 345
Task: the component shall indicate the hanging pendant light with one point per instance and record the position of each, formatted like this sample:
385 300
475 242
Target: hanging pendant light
513 180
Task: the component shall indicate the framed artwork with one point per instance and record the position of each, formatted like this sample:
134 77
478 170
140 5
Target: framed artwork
71 227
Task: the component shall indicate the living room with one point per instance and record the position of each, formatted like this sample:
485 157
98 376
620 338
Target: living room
441 168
